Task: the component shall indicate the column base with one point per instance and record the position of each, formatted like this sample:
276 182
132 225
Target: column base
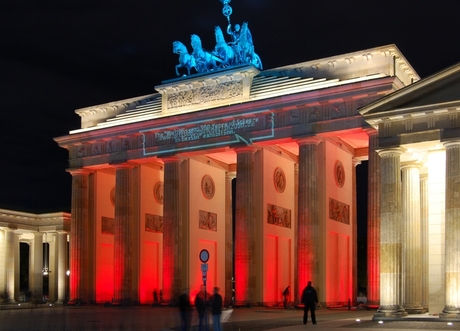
415 309
392 312
450 313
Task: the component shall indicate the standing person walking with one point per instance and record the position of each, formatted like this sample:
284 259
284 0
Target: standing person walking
185 311
216 309
310 300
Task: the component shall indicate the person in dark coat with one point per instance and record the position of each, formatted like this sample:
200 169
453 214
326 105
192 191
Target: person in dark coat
185 311
286 293
216 309
201 300
310 300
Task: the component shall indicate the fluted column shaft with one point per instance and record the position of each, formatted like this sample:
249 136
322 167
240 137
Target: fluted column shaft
424 216
79 232
308 213
245 281
9 265
228 236
37 267
354 219
122 242
452 232
373 222
171 229
411 257
390 233
61 266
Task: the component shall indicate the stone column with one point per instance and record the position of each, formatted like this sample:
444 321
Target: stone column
452 232
297 287
79 232
411 249
245 282
172 246
390 235
354 222
61 266
37 267
9 265
122 243
424 240
229 176
308 213
373 222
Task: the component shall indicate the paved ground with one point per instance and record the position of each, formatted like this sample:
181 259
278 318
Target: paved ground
166 318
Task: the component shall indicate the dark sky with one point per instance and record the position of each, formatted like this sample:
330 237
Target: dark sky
60 55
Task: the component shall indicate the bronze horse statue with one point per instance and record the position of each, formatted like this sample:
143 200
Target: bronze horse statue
185 59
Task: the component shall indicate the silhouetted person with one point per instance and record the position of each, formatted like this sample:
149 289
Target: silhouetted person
216 309
200 303
185 311
309 299
286 293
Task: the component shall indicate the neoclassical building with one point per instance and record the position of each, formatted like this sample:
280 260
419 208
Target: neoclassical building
255 166
46 238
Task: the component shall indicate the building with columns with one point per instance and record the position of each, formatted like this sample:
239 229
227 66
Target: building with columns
417 152
255 166
46 236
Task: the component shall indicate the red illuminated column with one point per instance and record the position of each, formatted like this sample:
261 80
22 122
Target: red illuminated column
173 247
79 232
452 231
424 240
122 243
411 258
245 281
308 213
373 221
354 218
61 265
10 265
390 234
229 176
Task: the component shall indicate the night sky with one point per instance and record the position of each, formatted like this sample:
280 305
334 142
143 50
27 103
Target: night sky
57 56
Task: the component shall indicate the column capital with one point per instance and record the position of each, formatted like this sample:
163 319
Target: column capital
451 144
230 174
123 165
411 164
371 131
356 162
390 151
245 149
79 171
171 159
311 140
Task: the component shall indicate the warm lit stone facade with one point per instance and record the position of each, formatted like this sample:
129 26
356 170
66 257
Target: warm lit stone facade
258 167
43 233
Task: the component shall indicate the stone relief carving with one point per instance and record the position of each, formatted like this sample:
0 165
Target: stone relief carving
278 216
339 211
339 174
279 179
158 192
153 223
224 91
207 187
208 220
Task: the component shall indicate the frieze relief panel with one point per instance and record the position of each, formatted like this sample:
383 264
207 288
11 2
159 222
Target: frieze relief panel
208 220
153 223
279 216
205 94
339 211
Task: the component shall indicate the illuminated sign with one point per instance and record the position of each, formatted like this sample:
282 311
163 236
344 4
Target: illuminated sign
200 131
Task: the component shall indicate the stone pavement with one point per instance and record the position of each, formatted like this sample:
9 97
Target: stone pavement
45 317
